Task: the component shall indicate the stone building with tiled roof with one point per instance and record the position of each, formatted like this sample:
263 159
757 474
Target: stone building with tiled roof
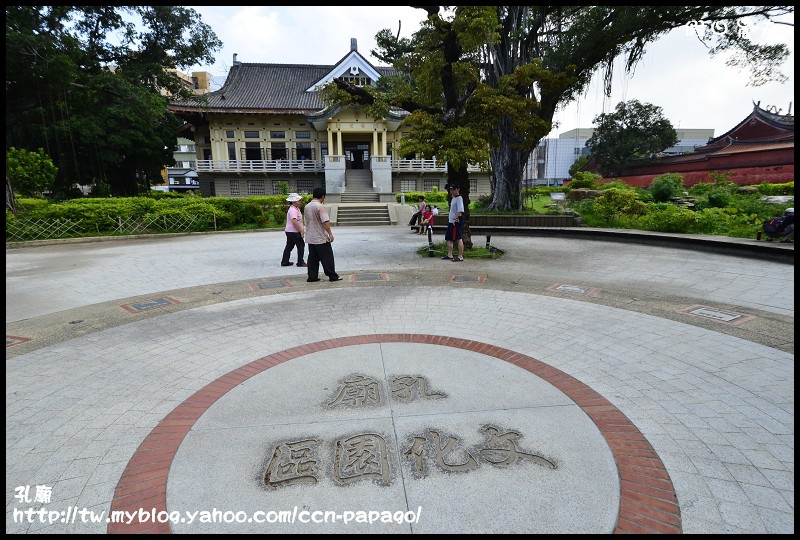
758 149
267 125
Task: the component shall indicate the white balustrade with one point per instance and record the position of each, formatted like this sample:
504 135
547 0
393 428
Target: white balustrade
299 165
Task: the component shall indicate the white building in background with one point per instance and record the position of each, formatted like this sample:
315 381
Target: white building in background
182 177
551 159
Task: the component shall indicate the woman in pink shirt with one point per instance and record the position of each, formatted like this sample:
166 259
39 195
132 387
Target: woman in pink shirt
294 231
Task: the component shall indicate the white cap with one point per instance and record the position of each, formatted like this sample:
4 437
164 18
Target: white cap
789 210
294 197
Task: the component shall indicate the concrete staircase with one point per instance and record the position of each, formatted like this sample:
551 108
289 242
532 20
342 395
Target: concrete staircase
359 204
362 214
358 187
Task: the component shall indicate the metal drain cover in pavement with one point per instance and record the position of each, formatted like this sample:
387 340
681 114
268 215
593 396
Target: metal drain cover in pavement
370 277
271 284
467 279
577 289
729 317
152 304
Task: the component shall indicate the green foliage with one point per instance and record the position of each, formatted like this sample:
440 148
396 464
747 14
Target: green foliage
617 206
27 205
576 167
101 214
440 248
634 130
666 186
587 180
776 189
31 173
154 194
741 217
438 198
617 184
701 189
614 201
444 121
726 221
481 204
667 218
106 125
574 44
283 186
721 178
718 198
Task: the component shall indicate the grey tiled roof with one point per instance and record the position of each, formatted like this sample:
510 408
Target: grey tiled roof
781 123
267 88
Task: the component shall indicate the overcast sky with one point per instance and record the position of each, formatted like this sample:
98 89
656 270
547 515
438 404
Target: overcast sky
677 74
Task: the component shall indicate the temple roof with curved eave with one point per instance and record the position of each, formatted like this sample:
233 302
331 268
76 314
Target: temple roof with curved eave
760 125
761 133
268 88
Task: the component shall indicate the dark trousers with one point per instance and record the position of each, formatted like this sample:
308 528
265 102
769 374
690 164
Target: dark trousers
294 239
321 253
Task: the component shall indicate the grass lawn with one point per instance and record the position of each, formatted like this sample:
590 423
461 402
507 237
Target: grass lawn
440 250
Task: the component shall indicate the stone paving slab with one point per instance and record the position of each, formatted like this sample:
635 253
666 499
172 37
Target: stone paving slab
466 492
687 422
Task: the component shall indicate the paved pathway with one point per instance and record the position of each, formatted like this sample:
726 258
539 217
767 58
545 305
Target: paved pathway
570 386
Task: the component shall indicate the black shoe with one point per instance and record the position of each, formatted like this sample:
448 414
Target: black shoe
312 280
287 264
302 264
337 278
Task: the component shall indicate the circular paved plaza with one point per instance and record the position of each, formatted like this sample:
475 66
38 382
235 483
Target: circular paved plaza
191 384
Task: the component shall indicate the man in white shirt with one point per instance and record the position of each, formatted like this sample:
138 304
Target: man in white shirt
455 224
319 238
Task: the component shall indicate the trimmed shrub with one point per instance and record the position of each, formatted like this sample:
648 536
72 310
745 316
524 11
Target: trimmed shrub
585 180
666 186
776 189
665 217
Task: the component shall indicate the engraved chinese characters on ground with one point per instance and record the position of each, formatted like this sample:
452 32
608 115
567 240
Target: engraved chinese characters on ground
445 452
359 390
365 456
293 462
361 457
410 387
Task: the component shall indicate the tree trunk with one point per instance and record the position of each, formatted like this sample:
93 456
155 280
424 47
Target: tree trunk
460 176
125 182
11 202
508 166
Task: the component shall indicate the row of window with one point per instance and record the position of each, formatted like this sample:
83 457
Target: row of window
252 151
428 185
256 134
258 187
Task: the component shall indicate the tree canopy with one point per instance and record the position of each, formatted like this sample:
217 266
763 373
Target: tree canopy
634 130
437 78
537 59
30 173
90 84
